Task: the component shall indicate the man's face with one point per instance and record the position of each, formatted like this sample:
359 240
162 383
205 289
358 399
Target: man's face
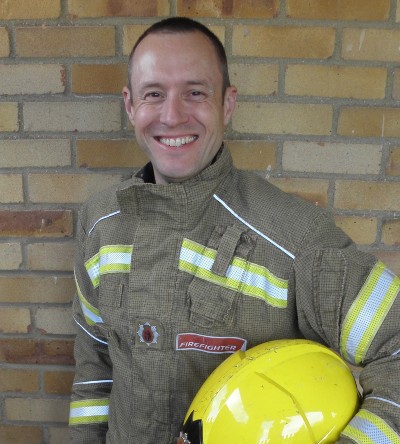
177 107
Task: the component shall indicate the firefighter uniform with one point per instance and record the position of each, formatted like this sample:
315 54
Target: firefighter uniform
171 279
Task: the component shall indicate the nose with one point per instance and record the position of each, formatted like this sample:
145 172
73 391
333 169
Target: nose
173 112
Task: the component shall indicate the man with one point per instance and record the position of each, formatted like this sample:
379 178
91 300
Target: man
192 260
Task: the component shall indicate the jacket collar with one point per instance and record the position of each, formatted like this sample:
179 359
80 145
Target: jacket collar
138 195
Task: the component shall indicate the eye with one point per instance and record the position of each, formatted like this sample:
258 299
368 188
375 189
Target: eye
196 95
153 96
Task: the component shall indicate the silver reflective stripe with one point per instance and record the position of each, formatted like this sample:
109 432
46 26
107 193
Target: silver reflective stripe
264 236
241 276
384 400
91 313
366 427
368 312
103 218
90 334
91 411
109 259
100 381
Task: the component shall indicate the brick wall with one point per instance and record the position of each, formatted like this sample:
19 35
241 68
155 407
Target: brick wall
318 115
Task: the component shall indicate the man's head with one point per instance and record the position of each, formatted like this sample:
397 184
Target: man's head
178 25
179 100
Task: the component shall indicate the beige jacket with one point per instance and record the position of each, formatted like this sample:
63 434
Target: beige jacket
171 279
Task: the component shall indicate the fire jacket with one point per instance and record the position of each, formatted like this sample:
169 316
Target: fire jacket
171 279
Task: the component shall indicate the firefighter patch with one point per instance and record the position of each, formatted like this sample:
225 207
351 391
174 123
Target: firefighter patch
148 334
209 344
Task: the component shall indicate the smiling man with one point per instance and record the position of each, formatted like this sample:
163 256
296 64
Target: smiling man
179 114
192 260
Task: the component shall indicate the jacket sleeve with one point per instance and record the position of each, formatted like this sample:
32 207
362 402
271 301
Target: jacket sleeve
350 301
93 370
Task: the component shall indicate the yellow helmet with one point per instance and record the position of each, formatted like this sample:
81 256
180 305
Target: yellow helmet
284 391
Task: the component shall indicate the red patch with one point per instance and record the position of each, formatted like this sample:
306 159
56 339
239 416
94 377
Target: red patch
209 344
147 334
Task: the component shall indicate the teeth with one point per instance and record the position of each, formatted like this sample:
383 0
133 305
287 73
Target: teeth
178 141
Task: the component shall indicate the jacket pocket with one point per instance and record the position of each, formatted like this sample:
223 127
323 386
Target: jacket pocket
111 291
210 305
213 291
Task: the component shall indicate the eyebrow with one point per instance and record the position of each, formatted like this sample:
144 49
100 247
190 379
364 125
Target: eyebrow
147 85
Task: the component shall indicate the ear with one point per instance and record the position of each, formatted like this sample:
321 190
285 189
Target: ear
126 93
229 103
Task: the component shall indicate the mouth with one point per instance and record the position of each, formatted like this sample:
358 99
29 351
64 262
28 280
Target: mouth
176 141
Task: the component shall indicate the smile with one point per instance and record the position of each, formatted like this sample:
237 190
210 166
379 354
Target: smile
178 141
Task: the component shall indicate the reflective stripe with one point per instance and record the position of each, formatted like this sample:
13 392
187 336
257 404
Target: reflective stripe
367 428
90 411
241 276
368 312
100 381
91 313
103 218
90 334
384 400
110 259
93 268
264 236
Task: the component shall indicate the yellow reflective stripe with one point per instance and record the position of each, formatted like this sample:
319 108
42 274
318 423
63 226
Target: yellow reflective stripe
242 276
92 266
91 313
367 312
109 259
367 428
91 411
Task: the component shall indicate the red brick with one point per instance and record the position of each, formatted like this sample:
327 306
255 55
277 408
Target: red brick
33 351
27 223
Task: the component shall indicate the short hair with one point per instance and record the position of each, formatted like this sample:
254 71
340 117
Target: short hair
176 25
